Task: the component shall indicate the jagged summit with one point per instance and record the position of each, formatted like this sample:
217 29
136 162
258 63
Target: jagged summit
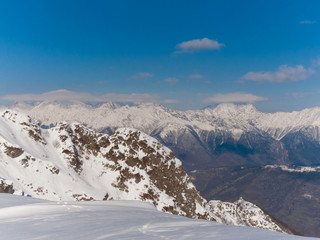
245 114
109 105
235 108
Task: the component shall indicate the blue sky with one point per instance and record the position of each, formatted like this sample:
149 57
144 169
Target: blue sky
183 54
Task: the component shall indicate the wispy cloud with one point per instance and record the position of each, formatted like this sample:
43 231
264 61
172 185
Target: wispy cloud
66 95
198 45
303 94
196 76
141 75
172 80
316 63
308 22
171 101
285 73
101 82
236 97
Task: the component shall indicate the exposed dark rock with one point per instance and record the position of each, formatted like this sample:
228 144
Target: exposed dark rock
54 170
13 152
82 197
5 187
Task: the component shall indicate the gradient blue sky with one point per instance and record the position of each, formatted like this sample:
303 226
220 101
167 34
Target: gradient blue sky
183 54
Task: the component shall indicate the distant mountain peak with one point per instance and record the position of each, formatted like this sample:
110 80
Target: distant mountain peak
109 105
235 108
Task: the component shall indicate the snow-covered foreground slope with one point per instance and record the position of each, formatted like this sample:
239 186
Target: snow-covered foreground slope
27 218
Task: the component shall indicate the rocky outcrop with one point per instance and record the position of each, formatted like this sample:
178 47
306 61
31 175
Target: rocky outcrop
6 186
242 213
73 162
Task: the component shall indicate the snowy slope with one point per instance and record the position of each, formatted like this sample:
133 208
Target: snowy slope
28 219
70 162
296 169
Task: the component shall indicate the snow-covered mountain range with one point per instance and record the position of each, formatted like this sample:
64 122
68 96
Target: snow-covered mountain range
237 119
71 162
226 135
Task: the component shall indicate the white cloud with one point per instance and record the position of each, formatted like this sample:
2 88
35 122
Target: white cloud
60 94
198 45
284 74
237 97
172 80
308 22
141 75
196 76
65 95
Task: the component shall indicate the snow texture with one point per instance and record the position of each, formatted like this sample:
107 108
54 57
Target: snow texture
297 169
29 219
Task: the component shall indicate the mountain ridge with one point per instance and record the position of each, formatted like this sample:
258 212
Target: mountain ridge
247 115
227 134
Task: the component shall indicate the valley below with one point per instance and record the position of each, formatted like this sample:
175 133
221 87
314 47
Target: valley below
292 197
